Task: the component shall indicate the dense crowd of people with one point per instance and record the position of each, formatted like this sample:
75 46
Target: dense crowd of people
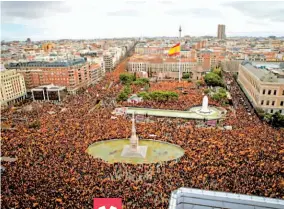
53 169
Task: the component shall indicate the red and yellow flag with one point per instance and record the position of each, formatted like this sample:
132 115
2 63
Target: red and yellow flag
175 50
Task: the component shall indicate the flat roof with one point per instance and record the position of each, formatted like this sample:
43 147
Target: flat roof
188 198
260 73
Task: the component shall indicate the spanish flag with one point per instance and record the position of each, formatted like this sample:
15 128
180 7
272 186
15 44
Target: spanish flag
175 50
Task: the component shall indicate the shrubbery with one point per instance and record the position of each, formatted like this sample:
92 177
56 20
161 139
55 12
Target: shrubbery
220 96
159 95
141 81
123 95
206 91
213 79
276 119
185 75
126 78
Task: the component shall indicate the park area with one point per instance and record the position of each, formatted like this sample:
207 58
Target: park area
54 170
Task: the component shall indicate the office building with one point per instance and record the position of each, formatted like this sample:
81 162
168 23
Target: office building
264 87
221 32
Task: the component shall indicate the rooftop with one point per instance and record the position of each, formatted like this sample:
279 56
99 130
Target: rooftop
64 63
263 74
187 198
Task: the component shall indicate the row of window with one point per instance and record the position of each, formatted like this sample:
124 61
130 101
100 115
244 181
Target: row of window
274 111
272 103
269 92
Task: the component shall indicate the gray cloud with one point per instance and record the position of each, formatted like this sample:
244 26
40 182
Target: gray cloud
31 9
135 2
194 12
166 2
125 12
271 10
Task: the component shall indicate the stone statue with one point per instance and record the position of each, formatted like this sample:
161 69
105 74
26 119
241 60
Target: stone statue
205 108
134 150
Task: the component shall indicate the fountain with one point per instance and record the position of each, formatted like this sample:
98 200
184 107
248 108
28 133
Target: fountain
206 112
134 150
205 108
131 151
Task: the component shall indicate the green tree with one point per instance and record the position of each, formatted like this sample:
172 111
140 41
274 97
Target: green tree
217 71
213 79
277 120
185 75
126 78
206 91
144 95
122 96
141 81
127 90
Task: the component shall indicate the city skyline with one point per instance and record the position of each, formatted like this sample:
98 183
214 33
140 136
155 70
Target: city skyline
48 20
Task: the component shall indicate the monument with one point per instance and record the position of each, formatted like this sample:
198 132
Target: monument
205 108
134 150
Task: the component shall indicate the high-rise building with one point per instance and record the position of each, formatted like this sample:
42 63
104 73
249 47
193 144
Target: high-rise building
221 32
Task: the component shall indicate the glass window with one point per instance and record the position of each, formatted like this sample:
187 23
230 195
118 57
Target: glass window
263 92
275 92
271 111
267 102
262 101
273 102
269 92
281 103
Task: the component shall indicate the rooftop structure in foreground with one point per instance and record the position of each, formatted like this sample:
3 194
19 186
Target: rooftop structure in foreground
263 86
188 198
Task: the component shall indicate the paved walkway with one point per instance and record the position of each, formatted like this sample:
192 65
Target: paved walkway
173 113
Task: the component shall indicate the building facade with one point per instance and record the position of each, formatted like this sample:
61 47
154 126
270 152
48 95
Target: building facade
166 68
264 88
72 74
221 34
109 64
12 87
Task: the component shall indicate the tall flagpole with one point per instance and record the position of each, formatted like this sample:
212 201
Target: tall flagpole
179 66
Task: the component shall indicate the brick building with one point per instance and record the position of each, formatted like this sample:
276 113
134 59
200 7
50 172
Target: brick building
72 74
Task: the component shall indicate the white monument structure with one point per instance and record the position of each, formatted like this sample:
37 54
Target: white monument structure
134 150
205 108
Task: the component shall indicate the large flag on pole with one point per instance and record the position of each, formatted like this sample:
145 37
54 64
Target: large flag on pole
175 50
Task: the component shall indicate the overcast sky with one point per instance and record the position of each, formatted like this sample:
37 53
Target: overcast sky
41 20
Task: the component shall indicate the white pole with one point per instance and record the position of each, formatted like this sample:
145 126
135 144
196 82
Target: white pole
179 67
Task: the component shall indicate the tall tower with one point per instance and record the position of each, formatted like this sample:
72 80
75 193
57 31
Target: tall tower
179 31
221 32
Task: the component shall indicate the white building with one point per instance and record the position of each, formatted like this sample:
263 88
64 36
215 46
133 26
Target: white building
13 87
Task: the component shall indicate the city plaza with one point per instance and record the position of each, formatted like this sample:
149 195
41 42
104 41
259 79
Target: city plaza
53 147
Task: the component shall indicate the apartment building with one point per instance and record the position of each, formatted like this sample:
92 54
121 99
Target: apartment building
162 67
12 85
108 61
72 74
263 87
